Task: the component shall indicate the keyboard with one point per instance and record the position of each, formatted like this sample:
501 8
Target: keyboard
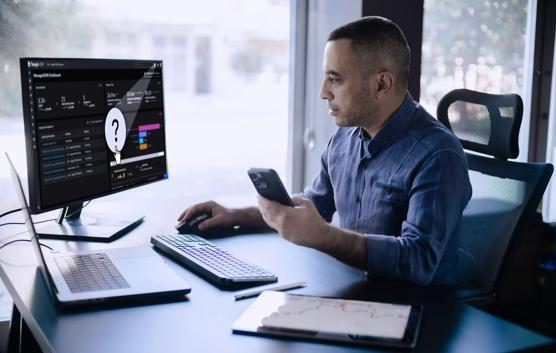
91 272
217 265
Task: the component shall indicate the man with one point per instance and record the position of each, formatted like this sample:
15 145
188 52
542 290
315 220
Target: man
397 177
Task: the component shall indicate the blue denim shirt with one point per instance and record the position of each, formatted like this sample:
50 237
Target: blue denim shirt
405 190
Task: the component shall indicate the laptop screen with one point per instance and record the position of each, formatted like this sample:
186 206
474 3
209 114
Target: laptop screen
28 219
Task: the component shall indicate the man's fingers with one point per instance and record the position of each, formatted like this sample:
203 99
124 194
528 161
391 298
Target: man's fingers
204 207
264 203
182 215
273 212
271 206
211 222
267 217
187 214
300 201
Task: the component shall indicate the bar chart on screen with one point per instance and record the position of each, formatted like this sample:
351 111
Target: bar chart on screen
142 137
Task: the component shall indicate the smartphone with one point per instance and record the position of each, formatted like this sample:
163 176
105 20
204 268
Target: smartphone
268 184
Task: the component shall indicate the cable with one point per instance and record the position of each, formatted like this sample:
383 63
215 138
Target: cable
23 240
48 220
13 241
9 212
46 246
10 223
21 223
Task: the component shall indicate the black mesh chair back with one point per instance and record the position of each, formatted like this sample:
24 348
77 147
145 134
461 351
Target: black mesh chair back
505 193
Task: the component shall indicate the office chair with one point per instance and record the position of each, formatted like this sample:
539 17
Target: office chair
506 194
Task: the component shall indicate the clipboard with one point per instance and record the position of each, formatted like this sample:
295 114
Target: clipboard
357 322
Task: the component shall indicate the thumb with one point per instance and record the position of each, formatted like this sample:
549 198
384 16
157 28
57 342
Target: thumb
300 201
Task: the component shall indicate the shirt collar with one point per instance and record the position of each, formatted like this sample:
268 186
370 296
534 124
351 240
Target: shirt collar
365 141
392 128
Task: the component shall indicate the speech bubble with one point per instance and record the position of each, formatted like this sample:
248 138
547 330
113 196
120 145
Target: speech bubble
115 132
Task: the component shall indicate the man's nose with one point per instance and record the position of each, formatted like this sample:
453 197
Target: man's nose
324 91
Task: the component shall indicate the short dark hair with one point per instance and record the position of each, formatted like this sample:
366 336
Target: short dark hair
380 42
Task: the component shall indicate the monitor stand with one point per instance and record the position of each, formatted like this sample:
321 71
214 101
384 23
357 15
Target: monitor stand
70 225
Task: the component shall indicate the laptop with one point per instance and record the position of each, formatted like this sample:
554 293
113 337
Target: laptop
101 276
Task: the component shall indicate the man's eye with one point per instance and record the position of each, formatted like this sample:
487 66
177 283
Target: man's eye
333 79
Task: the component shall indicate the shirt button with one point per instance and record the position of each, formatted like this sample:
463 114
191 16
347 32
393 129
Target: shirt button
388 189
357 199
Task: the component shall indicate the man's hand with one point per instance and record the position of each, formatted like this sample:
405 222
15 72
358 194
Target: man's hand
304 226
221 216
301 224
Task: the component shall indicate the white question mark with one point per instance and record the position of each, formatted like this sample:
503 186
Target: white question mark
115 137
115 121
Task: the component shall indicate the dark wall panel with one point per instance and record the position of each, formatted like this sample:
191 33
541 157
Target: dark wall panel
409 16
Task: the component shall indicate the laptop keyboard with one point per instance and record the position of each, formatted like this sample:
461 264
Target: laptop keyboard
208 259
91 272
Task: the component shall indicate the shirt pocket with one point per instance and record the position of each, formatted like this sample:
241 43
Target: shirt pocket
387 206
390 191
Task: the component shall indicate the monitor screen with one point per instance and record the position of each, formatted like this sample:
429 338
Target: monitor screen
93 127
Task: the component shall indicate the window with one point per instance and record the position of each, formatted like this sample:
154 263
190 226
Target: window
482 45
470 44
549 201
221 119
203 59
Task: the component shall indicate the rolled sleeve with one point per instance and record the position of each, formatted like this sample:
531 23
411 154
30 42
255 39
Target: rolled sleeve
387 263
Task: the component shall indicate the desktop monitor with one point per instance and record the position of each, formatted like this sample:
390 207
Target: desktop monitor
93 127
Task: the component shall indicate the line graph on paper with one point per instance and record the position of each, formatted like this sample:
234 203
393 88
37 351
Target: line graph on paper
338 316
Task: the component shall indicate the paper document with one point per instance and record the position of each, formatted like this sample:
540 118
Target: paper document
349 317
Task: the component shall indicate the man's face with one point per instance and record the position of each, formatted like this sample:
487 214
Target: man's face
346 86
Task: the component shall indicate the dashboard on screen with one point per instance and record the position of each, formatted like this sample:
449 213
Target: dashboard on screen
93 127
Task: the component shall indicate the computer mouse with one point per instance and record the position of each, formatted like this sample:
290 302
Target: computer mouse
190 226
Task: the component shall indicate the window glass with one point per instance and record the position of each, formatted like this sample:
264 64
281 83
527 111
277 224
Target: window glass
225 81
473 44
225 77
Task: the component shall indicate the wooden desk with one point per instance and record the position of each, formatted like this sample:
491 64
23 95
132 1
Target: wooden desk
202 321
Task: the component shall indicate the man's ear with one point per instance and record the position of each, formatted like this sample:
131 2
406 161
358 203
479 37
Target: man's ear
384 84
